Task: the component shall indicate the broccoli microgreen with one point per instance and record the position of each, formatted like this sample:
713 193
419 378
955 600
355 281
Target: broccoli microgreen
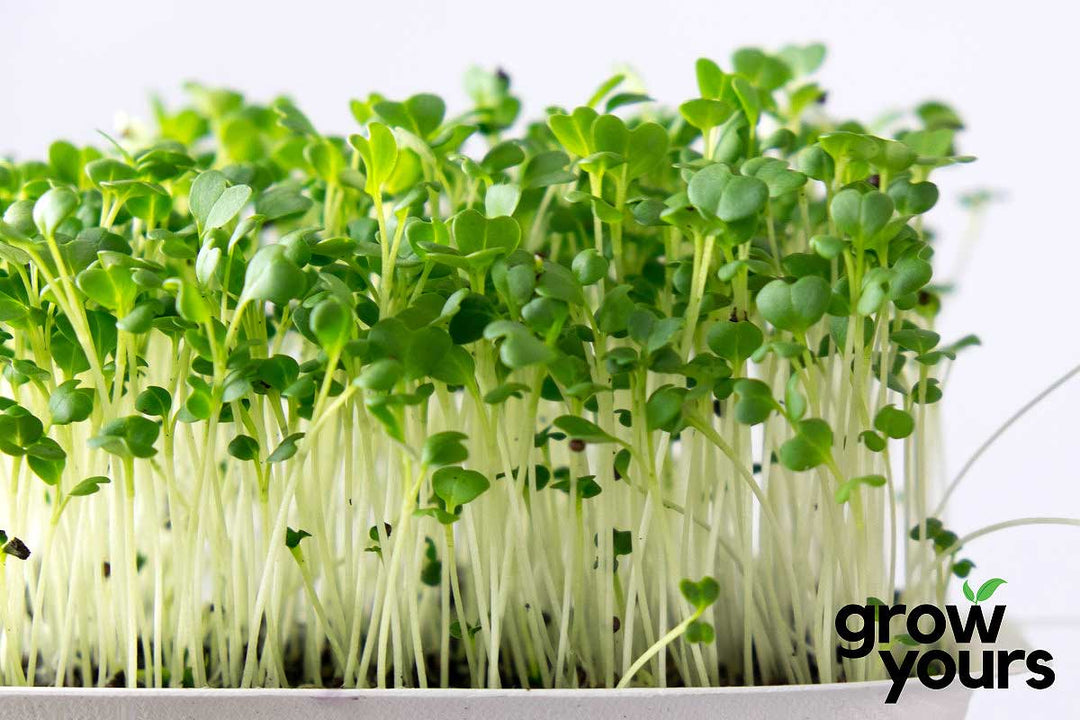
517 378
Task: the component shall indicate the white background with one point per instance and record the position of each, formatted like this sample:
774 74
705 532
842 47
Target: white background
66 68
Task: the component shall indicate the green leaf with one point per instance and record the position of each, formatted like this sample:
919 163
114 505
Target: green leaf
206 189
444 448
794 401
197 406
427 111
765 71
89 486
473 232
519 348
626 98
872 441
705 113
589 266
67 161
501 200
734 341
931 391
154 401
111 287
272 276
191 304
811 446
916 339
504 392
293 537
431 572
455 630
646 149
130 436
47 459
387 419
11 237
775 174
286 449
909 275
331 321
381 375
913 198
827 246
843 493
700 594
517 283
70 404
379 152
893 156
456 486
427 350
18 430
281 202
797 306
546 169
614 312
861 215
579 428
851 146
962 568
543 315
754 402
717 192
289 116
423 233
227 206
894 422
749 99
643 325
816 163
105 170
934 527
244 447
558 283
664 409
325 159
700 632
141 319
606 87
805 59
53 208
622 463
587 487
574 131
710 78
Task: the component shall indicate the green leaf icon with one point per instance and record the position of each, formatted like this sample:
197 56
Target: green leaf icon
968 592
987 589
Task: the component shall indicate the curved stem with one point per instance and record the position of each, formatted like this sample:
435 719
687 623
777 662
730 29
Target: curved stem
999 432
656 647
1019 522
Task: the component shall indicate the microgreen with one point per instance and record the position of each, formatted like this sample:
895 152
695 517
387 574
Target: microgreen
518 380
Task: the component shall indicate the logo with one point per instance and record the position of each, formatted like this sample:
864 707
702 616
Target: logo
865 627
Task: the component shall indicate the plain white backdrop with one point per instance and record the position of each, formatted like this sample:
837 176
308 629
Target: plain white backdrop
66 68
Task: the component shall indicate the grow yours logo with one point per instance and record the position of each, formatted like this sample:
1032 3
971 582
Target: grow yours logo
864 627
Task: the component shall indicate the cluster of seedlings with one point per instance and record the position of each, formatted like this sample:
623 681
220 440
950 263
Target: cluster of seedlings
637 395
